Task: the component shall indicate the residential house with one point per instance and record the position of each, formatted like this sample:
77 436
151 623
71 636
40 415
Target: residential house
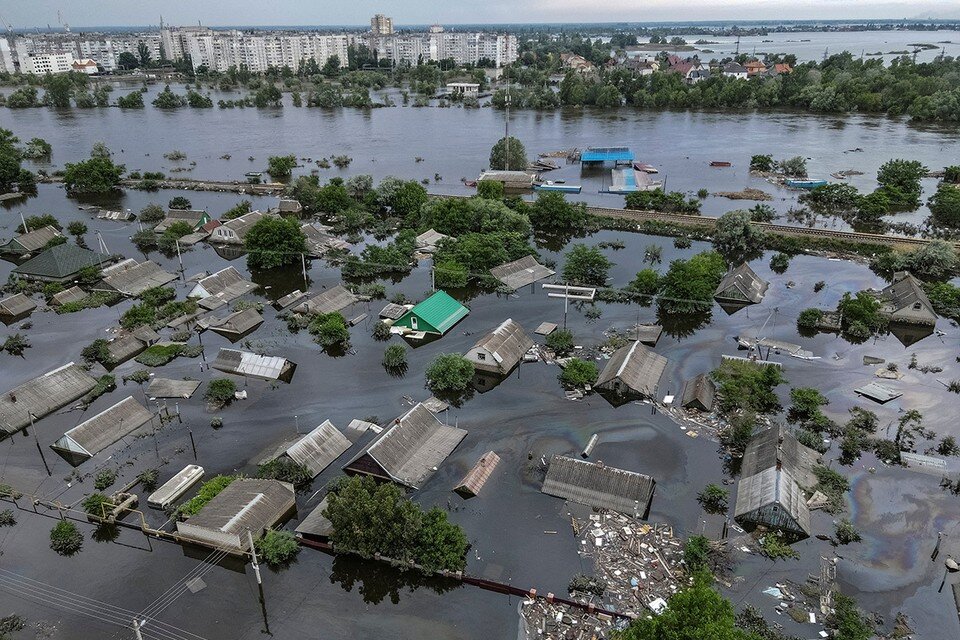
60 263
436 315
195 219
741 286
904 301
234 231
31 241
755 68
576 62
735 70
500 350
633 370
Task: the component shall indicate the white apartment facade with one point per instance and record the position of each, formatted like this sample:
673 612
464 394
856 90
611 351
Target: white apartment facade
43 63
462 47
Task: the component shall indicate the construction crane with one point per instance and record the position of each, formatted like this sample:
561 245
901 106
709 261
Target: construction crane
7 25
63 24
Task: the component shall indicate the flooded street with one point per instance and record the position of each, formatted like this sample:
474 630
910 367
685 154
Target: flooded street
518 535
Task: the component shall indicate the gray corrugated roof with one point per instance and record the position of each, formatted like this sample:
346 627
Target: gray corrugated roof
132 278
506 344
16 305
745 283
43 395
775 445
635 366
520 273
125 347
238 323
878 392
771 487
318 449
226 284
192 217
73 294
242 225
392 311
96 434
333 299
60 262
597 485
252 365
316 524
411 449
246 503
167 388
32 240
699 389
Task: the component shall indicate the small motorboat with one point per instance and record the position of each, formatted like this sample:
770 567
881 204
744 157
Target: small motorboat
253 174
720 163
469 183
557 185
644 167
805 184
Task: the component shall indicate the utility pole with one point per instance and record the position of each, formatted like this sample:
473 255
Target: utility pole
253 557
39 448
303 264
506 131
136 629
179 257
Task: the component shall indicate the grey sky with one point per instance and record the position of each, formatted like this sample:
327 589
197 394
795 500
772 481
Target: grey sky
30 13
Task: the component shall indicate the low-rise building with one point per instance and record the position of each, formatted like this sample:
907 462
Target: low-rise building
633 370
463 89
735 70
436 315
741 286
500 350
85 65
234 231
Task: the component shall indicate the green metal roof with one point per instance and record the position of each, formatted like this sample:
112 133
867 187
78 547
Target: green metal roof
440 310
60 261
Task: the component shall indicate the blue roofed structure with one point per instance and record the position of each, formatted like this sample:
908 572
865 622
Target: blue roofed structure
604 155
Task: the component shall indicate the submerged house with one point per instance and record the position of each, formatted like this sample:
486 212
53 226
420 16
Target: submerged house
428 240
131 278
195 219
43 395
130 345
60 263
511 180
500 350
520 273
236 325
92 436
774 471
252 365
904 301
245 505
699 393
741 286
67 296
633 370
31 241
435 316
224 285
16 307
597 485
333 299
318 449
234 231
409 451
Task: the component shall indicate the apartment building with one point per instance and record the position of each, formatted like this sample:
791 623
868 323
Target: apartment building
42 63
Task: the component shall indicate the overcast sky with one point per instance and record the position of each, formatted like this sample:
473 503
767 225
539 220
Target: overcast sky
30 13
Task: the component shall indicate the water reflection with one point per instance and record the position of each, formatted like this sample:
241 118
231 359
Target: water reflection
376 581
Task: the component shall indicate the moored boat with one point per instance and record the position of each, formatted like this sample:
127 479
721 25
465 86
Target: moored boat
805 184
562 187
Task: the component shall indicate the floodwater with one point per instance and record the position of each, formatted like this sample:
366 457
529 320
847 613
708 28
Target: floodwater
455 143
518 535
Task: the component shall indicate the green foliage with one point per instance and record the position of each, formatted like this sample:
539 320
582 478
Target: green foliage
490 190
747 386
688 285
149 479
77 228
695 613
775 547
220 391
138 315
449 372
96 175
450 275
155 297
381 331
696 552
277 548
900 182
208 491
104 479
809 318
480 252
835 199
241 208
739 432
197 100
871 209
646 283
658 200
795 167
845 533
374 260
370 518
736 238
274 242
552 213
861 316
833 485
395 357
105 384
714 499
38 222
805 404
133 100
579 373
97 504
159 355
763 163
457 217
7 519
586 265
508 154
945 206
152 213
560 341
779 263
167 99
280 167
65 538
286 470
761 212
847 621
96 351
330 330
16 344
180 203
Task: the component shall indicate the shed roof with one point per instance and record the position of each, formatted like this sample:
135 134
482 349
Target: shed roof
777 446
59 262
597 485
288 300
772 487
392 311
246 503
131 278
32 240
507 344
318 449
16 305
520 273
411 449
699 391
96 434
439 310
741 285
606 154
478 476
636 366
333 299
168 388
878 392
252 365
427 241
316 524
43 395
226 284
192 217
238 323
73 294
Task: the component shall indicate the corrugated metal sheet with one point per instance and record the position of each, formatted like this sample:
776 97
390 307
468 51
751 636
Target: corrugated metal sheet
125 347
226 284
392 311
73 294
520 273
606 154
32 240
246 504
439 311
16 305
191 216
131 278
699 393
774 499
632 368
878 392
410 450
249 364
318 449
428 240
478 476
316 525
741 285
167 388
333 299
777 445
502 349
596 485
175 487
240 323
99 432
43 395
